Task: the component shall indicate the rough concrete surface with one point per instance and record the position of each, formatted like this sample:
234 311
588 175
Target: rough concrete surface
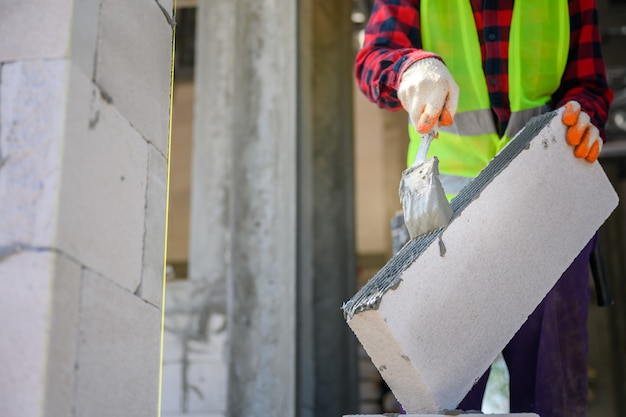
86 15
102 203
118 351
133 64
154 229
32 98
23 335
40 293
34 29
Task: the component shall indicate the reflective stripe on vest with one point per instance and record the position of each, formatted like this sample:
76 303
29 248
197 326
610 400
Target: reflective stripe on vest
538 48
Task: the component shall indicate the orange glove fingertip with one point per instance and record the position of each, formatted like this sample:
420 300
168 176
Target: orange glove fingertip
581 151
573 136
571 113
594 152
446 118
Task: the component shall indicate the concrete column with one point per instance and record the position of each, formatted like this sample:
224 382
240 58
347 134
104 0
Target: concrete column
248 159
84 103
327 383
244 194
195 359
261 287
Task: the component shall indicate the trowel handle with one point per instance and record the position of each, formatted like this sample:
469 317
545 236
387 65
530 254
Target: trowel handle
423 149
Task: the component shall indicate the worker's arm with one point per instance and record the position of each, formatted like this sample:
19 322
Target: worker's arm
392 43
394 72
584 80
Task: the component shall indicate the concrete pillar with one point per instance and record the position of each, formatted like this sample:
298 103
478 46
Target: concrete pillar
195 357
243 224
327 382
84 103
262 285
255 141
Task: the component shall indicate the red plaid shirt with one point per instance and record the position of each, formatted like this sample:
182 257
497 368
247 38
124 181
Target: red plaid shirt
393 42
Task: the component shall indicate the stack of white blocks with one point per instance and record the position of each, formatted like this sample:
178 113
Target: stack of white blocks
435 334
84 106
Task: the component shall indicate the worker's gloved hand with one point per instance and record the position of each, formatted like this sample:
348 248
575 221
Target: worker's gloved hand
581 134
429 94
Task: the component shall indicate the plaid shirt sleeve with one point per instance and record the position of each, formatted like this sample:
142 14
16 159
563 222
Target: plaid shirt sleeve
392 43
584 79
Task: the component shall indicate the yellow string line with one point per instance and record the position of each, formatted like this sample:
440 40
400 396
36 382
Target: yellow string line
167 207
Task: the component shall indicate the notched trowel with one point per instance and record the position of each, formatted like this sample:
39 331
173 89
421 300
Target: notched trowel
424 201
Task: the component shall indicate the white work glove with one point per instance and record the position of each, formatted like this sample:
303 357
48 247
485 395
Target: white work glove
581 134
429 94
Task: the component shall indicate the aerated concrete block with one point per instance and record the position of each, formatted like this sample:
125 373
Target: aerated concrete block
32 109
39 295
34 29
437 315
154 229
133 64
172 389
117 368
102 204
85 17
25 289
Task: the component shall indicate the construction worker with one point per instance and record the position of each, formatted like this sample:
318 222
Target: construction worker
476 71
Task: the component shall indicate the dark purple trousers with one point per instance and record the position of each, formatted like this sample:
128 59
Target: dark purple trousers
547 357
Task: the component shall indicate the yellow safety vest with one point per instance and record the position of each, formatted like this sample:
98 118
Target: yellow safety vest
538 49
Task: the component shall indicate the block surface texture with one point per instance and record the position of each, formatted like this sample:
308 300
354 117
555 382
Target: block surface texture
438 313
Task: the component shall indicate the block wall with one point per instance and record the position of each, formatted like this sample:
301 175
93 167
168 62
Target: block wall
84 119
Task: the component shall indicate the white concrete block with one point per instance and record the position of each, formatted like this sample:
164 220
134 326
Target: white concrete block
454 310
173 344
85 21
172 389
154 234
39 294
206 386
34 29
62 337
25 288
134 64
102 202
32 112
118 352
